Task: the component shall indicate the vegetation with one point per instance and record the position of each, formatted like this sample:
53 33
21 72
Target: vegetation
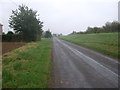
28 66
106 43
12 38
48 34
109 27
24 21
10 33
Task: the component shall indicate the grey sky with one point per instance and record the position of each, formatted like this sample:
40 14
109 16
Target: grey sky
64 16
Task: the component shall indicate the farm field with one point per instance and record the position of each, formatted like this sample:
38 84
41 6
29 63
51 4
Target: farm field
28 66
106 43
8 46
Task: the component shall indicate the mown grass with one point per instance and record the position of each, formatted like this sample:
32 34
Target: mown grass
28 66
106 43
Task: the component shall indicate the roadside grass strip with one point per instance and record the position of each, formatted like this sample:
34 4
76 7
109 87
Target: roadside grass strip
28 66
106 43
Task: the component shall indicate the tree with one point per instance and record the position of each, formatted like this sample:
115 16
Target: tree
74 32
10 33
89 30
48 34
112 27
107 27
24 21
115 27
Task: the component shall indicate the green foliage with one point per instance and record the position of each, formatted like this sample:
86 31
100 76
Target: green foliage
94 30
11 38
8 36
109 27
48 34
106 43
24 21
112 27
10 33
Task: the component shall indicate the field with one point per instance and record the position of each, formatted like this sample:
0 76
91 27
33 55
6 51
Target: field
8 46
106 43
28 66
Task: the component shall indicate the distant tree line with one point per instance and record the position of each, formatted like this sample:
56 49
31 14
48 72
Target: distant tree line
13 37
109 27
47 34
57 35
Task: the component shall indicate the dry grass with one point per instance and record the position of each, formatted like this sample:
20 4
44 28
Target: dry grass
25 49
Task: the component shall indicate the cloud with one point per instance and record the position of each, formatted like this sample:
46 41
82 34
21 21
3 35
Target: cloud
64 16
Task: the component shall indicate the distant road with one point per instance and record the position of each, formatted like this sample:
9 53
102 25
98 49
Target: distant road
79 67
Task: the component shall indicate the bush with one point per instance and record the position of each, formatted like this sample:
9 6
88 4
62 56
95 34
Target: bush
11 38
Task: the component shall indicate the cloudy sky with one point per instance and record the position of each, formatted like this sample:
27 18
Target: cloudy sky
64 16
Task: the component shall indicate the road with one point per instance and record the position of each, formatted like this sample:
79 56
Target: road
79 67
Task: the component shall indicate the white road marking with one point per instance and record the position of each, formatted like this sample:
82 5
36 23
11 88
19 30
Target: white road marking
92 61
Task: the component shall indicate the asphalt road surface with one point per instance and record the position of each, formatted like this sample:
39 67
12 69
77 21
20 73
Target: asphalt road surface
79 67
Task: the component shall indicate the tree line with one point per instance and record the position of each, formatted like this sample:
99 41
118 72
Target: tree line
107 28
26 25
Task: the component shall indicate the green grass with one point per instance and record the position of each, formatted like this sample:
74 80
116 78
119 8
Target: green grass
106 43
28 66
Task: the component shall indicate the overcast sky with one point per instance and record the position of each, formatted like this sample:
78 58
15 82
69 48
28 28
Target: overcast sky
64 16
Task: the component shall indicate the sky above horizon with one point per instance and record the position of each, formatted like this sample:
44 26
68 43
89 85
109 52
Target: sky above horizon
64 16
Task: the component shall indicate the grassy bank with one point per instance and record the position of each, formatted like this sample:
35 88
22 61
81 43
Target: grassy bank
106 43
28 66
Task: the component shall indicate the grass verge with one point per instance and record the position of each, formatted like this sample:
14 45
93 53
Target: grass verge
28 66
106 43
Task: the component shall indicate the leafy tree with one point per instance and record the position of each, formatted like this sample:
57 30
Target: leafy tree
8 36
112 27
109 27
10 33
48 34
24 21
89 30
